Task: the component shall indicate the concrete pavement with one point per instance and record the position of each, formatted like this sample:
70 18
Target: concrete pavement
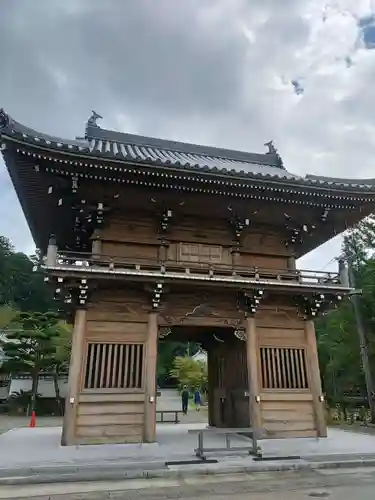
290 485
30 456
36 456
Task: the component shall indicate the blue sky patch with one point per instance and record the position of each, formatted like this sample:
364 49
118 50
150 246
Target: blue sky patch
367 29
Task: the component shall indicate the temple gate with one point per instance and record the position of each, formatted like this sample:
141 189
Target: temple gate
147 239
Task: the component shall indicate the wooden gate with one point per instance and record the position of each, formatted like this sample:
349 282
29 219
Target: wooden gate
286 400
111 400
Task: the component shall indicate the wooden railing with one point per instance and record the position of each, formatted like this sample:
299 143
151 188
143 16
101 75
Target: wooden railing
80 261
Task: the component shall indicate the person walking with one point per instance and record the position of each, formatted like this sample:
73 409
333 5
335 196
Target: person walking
197 400
185 399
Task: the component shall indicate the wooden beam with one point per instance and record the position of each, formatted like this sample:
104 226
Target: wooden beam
150 379
75 370
315 382
253 376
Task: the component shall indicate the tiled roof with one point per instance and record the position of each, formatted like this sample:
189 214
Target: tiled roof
139 149
129 148
134 151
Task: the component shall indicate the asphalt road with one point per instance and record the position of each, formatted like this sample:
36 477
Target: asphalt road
349 484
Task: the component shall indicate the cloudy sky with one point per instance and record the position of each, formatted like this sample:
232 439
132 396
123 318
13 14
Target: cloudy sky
231 73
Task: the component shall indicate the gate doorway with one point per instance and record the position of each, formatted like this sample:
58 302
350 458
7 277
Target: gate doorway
228 387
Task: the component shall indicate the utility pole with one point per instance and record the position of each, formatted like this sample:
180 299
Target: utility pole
363 345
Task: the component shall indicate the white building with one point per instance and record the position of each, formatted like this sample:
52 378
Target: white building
200 355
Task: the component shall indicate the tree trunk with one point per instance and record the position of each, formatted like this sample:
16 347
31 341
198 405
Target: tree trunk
56 375
34 391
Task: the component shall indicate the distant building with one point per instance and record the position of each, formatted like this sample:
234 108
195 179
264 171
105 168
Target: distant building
200 355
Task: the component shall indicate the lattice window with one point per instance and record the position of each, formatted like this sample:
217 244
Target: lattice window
283 368
114 366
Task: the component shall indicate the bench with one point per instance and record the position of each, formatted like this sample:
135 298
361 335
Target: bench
174 420
201 450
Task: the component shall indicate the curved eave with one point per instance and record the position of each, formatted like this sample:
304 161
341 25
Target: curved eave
80 154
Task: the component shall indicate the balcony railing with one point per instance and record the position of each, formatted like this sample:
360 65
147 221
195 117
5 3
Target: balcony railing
86 262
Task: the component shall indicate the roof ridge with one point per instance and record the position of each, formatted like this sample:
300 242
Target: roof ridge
94 132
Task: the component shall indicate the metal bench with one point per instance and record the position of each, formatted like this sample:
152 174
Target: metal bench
174 420
251 447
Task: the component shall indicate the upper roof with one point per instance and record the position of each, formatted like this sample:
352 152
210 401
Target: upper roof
43 168
137 149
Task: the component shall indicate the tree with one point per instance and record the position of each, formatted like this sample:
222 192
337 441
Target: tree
167 351
20 287
7 315
60 361
30 346
190 372
338 342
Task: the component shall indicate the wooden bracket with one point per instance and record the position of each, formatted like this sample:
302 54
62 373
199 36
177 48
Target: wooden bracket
249 301
311 306
74 293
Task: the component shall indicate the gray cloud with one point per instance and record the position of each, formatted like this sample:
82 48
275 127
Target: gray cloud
211 71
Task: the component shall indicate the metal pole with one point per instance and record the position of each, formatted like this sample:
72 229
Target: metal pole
362 345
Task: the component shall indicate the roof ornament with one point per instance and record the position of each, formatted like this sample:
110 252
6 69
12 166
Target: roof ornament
271 147
4 119
273 151
93 119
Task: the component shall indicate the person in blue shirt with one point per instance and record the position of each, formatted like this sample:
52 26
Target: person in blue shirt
197 400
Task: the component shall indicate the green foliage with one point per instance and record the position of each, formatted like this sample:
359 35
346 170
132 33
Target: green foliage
338 341
167 351
190 372
35 342
20 287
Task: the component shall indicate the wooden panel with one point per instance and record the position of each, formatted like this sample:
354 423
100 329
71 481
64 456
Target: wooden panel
125 431
286 337
264 244
130 251
283 368
279 317
292 434
287 396
108 397
283 415
194 252
265 262
109 408
114 366
112 419
109 439
116 330
289 425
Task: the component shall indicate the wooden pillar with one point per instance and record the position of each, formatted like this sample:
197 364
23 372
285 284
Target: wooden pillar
343 273
211 385
51 259
150 380
316 385
253 376
96 245
291 263
163 251
75 368
235 258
